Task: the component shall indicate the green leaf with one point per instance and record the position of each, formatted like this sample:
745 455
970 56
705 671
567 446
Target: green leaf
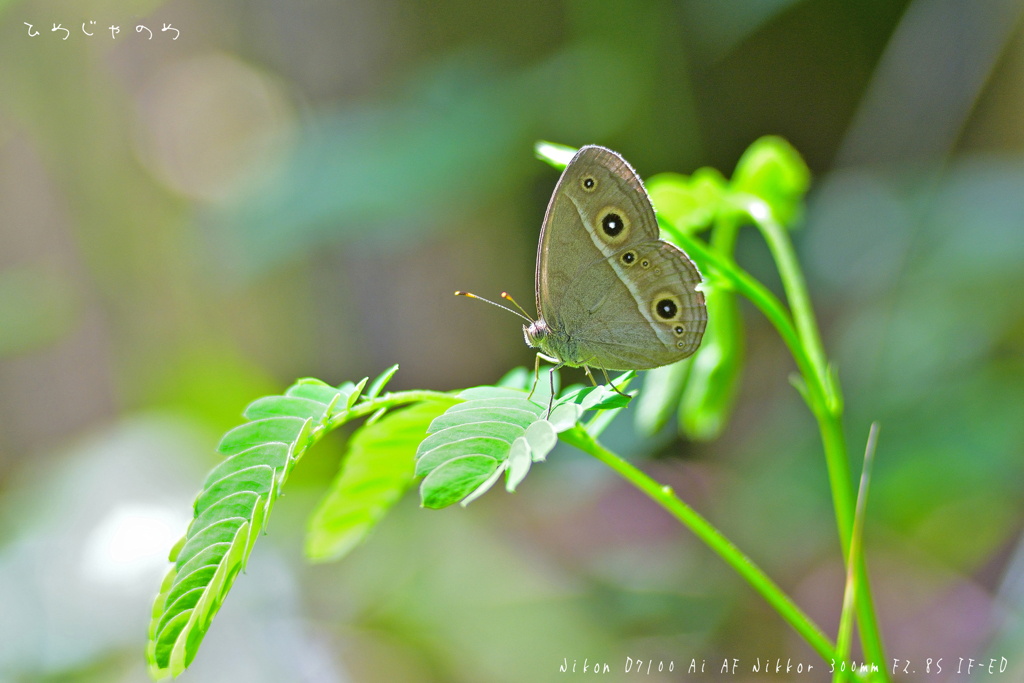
516 378
519 460
271 429
376 472
482 427
517 402
716 368
255 479
541 437
604 418
354 396
854 555
774 171
232 511
378 384
486 485
833 391
491 392
446 450
273 455
663 388
278 406
491 426
600 397
689 203
798 383
456 479
565 416
515 416
495 429
376 416
557 155
175 549
156 672
316 390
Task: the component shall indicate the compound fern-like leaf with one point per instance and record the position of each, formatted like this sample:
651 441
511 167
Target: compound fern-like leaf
377 470
498 430
232 510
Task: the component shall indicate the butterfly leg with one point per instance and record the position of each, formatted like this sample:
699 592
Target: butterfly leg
615 388
536 377
536 370
551 376
586 369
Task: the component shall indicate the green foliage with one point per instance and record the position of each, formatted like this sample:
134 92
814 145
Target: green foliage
377 471
462 444
658 402
498 430
691 203
703 387
234 507
772 170
552 153
381 381
713 382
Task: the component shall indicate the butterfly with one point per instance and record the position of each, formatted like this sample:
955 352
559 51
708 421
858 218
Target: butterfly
611 294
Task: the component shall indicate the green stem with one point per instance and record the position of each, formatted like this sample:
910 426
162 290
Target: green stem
856 545
792 277
832 436
745 284
804 344
664 496
723 235
829 417
389 400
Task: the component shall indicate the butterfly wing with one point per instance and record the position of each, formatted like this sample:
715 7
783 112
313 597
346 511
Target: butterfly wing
596 186
602 272
637 309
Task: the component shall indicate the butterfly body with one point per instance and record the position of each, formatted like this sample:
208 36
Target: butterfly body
554 343
610 293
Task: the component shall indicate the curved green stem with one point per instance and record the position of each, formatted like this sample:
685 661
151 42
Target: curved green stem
389 400
664 496
856 544
800 334
747 285
723 235
792 278
827 411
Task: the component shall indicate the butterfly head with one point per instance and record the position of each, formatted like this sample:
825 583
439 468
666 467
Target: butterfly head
536 333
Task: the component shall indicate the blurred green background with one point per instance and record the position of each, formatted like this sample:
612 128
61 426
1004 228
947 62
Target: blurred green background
296 188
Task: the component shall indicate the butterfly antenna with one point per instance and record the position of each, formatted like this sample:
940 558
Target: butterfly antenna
480 298
506 296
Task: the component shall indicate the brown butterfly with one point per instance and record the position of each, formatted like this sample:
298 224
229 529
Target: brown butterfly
611 293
